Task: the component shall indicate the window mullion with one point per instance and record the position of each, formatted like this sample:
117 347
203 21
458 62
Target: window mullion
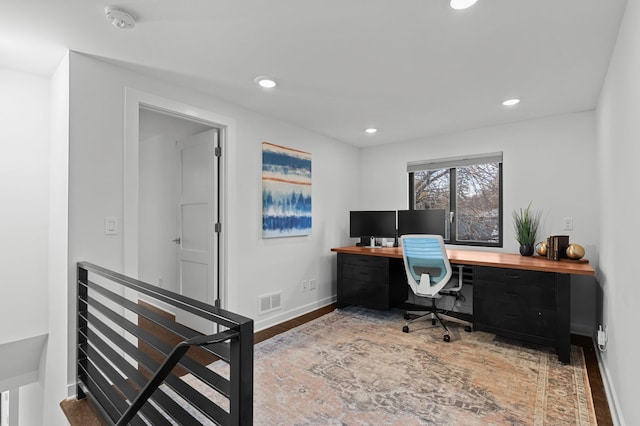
453 237
412 191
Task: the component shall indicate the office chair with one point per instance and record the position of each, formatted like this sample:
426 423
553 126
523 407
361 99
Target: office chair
428 273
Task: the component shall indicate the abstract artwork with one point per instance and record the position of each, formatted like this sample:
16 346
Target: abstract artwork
286 191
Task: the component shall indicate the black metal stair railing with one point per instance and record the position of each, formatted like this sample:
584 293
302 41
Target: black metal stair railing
129 385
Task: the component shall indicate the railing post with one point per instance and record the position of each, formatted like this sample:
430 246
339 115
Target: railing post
83 328
241 376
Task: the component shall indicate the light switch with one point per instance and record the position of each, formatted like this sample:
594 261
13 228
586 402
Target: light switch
568 223
111 225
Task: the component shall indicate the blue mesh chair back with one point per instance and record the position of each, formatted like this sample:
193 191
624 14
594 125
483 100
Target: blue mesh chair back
425 254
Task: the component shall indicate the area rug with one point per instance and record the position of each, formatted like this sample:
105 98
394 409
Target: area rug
356 367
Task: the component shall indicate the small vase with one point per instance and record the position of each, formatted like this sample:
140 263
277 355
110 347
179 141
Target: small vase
526 250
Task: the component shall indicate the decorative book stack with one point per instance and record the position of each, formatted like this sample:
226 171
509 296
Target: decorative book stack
557 247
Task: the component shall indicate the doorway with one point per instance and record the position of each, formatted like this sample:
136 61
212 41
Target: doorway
178 181
152 240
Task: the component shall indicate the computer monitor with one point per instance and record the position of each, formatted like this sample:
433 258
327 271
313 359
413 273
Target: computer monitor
372 223
427 221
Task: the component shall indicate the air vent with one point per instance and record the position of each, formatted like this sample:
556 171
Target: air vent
269 302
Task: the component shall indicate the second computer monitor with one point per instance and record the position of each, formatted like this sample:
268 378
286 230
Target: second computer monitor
428 221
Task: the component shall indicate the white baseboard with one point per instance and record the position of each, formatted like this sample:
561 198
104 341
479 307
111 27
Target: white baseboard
612 399
293 313
72 391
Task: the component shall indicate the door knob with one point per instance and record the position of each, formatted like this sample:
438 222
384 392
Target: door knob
176 240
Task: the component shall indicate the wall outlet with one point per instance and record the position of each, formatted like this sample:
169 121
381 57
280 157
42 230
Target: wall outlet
305 285
602 337
312 284
568 223
111 225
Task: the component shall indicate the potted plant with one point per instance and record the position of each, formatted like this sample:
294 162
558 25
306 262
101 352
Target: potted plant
525 223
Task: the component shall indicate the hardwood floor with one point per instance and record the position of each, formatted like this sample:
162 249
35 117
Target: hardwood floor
82 413
598 394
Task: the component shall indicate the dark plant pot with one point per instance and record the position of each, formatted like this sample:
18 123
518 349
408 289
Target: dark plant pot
526 250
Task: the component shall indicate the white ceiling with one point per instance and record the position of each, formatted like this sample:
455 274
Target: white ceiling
411 68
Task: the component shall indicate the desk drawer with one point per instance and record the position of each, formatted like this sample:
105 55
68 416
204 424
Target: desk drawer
365 261
506 275
366 293
365 273
519 319
516 294
514 287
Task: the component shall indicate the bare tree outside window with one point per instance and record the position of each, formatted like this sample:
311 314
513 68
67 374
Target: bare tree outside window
478 203
472 193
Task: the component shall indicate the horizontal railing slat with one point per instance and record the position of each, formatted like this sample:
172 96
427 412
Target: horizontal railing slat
107 391
206 375
174 327
97 394
116 355
218 315
187 392
139 379
125 387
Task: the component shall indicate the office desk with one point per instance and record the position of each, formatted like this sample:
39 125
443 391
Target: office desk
521 297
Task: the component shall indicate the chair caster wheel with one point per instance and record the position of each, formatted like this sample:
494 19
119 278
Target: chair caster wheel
446 338
433 322
405 329
467 328
407 316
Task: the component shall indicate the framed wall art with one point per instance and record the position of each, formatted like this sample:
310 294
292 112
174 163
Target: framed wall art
286 191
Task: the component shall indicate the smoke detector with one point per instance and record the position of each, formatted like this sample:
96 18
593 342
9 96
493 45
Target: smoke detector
120 18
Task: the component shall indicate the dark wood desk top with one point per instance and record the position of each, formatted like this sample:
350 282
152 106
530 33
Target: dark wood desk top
486 258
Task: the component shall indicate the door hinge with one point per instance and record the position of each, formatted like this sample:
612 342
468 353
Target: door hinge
218 151
217 227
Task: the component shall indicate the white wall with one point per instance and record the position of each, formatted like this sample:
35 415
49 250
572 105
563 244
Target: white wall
255 266
24 191
618 153
550 162
28 112
24 218
61 310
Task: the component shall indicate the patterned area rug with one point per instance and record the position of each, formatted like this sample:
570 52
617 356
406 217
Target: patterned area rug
356 367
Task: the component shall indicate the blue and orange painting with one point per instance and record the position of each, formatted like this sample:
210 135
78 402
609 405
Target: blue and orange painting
286 191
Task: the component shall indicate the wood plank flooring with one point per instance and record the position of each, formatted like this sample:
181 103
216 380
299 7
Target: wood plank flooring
81 413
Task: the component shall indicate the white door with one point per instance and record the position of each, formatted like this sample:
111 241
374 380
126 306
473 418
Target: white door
197 239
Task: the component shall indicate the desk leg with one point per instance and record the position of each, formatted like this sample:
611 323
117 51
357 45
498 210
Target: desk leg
564 318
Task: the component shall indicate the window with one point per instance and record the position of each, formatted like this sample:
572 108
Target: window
469 189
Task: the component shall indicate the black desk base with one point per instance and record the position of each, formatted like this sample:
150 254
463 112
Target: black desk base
531 306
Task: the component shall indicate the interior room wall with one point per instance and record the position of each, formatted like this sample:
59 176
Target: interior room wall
549 162
60 315
618 151
24 217
255 265
26 115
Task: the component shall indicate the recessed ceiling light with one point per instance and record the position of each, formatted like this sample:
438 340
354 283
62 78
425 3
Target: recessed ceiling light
511 102
371 130
120 18
266 82
462 4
